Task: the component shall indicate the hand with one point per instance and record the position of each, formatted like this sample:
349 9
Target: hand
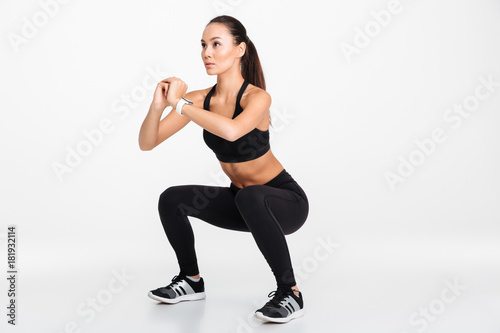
160 95
176 89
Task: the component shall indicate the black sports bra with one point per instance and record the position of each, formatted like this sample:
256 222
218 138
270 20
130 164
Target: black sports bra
252 145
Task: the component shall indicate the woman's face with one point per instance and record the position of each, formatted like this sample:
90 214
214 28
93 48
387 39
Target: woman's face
218 51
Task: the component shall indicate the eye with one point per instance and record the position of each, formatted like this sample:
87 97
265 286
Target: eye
216 43
203 45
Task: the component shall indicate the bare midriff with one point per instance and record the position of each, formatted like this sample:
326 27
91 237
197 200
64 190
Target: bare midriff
255 172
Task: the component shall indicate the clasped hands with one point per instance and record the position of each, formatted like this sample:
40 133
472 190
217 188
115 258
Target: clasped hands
171 91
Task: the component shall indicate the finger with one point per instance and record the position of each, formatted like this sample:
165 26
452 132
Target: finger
170 79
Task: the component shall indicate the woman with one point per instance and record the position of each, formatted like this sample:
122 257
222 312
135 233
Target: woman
262 198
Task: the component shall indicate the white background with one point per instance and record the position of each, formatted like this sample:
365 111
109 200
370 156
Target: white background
341 123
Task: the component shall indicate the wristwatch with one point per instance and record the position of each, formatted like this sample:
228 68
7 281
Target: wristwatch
180 103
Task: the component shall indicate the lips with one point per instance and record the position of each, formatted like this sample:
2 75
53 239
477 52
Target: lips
209 64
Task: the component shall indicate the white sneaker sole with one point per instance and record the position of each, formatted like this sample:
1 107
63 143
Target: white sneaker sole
190 297
296 314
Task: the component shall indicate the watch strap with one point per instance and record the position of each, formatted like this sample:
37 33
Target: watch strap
181 103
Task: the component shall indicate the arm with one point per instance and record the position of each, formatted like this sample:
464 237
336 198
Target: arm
148 134
258 104
231 129
153 131
212 122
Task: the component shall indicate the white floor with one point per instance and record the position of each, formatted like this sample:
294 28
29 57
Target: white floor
365 285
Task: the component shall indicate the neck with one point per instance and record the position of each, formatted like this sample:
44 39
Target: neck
229 83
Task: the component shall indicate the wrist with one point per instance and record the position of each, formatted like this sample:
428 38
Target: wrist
157 108
174 104
181 102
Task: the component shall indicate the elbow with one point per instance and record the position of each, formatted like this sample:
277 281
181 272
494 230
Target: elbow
145 147
232 135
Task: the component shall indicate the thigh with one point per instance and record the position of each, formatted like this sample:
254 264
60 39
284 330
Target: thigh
212 204
285 204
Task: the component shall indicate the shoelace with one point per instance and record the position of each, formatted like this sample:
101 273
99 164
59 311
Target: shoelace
279 295
175 280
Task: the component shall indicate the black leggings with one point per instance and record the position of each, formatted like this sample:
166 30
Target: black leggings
270 211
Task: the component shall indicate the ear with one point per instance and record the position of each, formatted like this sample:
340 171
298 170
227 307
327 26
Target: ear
241 49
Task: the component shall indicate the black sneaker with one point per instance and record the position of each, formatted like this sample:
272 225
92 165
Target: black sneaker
283 307
180 289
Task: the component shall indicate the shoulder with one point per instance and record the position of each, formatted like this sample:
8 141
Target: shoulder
254 94
198 96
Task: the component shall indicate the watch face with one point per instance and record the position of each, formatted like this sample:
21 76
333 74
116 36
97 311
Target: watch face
187 100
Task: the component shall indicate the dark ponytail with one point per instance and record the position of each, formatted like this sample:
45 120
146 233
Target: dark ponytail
251 69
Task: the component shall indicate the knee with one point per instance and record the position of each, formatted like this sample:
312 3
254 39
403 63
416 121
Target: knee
169 199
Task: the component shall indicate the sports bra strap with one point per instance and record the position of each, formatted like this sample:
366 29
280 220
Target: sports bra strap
206 102
240 93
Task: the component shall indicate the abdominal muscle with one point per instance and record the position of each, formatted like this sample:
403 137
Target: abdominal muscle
254 172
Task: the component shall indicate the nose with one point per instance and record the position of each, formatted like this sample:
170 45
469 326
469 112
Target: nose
207 53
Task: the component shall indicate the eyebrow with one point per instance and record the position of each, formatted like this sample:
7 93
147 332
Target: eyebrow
212 38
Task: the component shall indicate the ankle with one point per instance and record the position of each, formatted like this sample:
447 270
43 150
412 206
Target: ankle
194 278
295 290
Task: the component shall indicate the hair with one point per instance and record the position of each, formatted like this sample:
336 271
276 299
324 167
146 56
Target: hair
251 69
